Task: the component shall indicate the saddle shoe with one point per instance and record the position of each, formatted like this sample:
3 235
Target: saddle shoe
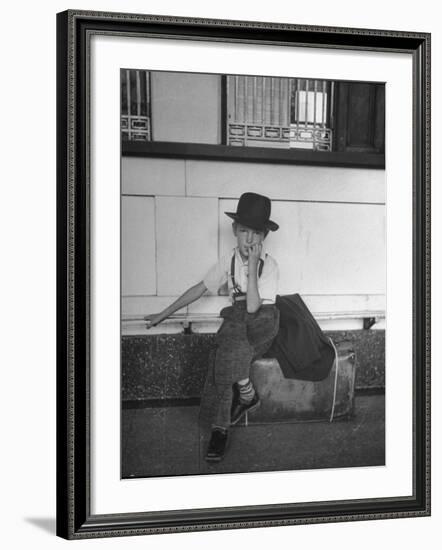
217 445
239 408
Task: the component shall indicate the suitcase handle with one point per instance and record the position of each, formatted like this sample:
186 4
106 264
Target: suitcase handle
336 380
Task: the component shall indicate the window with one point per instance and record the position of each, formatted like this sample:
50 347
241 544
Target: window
258 111
135 105
278 112
360 118
310 114
253 118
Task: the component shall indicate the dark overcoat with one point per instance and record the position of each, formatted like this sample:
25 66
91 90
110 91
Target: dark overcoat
303 351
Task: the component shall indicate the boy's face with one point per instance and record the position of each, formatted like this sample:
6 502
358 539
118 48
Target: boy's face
246 237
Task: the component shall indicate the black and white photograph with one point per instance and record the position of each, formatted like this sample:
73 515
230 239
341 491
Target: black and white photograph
222 264
253 273
243 306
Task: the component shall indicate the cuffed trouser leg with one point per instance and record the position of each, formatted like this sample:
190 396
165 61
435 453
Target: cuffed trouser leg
222 416
233 359
240 339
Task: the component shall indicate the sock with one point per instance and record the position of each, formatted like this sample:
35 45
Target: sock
246 391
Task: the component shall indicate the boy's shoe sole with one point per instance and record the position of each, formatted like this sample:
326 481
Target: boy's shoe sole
241 409
217 446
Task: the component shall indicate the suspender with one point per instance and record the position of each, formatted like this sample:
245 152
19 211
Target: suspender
236 289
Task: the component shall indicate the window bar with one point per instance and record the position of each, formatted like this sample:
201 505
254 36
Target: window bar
306 103
274 102
129 122
289 95
323 103
143 96
138 93
314 114
273 112
236 98
298 106
263 87
243 83
244 78
148 113
295 104
280 103
254 100
331 110
281 113
123 88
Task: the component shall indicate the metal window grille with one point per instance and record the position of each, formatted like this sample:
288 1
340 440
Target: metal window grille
279 112
311 114
258 111
135 105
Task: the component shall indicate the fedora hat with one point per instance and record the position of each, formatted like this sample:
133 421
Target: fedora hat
253 211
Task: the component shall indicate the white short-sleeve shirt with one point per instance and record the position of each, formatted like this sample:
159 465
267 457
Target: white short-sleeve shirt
219 274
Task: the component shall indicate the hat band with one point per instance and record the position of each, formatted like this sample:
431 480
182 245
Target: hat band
253 223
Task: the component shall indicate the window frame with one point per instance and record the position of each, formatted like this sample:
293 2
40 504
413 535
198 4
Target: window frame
220 152
203 151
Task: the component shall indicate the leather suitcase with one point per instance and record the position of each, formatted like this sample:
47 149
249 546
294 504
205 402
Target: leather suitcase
291 400
288 400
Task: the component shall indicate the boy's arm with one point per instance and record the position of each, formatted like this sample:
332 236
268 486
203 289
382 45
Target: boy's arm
191 295
253 299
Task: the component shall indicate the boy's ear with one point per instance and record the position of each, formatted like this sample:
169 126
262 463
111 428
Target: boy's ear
234 228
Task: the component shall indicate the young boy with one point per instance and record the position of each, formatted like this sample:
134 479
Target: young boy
250 324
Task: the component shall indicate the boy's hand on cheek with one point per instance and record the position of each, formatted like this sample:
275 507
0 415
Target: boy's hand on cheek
255 253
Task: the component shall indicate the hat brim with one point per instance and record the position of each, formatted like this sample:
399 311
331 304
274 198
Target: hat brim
269 224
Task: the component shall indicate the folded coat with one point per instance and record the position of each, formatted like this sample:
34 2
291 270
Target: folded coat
303 351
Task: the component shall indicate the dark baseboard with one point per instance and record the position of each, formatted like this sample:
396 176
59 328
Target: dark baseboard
195 401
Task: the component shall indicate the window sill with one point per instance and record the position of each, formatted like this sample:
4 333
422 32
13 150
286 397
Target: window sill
204 151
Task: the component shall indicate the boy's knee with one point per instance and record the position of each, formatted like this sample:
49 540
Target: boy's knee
224 389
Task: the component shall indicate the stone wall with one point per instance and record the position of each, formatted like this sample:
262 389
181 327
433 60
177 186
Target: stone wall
173 366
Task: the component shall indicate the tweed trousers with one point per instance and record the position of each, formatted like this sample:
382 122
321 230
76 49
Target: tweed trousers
242 338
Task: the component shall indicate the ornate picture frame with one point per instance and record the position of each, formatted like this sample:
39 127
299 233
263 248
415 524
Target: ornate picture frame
75 217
